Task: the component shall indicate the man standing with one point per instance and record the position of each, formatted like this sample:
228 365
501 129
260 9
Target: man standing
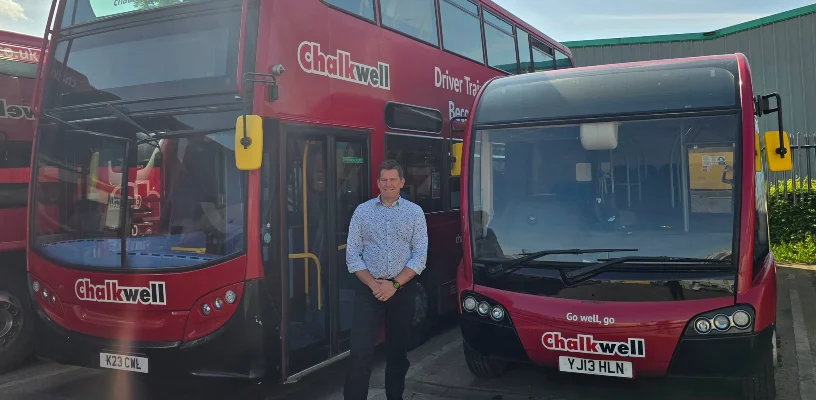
387 248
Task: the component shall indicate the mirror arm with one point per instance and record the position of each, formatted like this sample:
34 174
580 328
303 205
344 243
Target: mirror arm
763 106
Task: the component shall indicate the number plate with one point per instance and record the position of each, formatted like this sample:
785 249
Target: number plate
122 362
621 369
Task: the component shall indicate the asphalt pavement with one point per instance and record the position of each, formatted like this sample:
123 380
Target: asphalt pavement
438 372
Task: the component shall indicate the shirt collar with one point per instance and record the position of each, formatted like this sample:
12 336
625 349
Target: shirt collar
396 202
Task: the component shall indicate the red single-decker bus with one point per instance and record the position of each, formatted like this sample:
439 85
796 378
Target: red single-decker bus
616 223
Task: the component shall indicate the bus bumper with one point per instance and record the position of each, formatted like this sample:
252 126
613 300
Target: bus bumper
720 357
234 351
725 357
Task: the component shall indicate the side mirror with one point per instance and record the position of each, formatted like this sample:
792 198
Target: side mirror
249 142
777 151
456 154
757 153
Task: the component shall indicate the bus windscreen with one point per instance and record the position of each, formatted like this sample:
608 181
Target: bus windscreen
185 200
541 189
187 56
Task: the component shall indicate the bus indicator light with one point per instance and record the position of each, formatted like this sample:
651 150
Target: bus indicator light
702 326
741 319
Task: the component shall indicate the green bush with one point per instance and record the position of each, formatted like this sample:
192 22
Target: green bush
793 224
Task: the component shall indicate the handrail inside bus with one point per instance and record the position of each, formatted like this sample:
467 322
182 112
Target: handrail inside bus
306 257
306 225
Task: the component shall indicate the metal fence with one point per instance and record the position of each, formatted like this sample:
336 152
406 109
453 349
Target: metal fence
803 153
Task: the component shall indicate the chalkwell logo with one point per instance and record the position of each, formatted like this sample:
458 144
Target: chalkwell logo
14 111
587 344
111 292
340 66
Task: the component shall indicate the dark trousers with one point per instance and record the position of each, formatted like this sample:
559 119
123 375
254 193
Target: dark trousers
369 314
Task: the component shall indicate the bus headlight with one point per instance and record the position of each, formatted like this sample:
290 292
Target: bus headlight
35 286
469 303
205 309
484 308
722 322
702 325
741 319
497 313
230 296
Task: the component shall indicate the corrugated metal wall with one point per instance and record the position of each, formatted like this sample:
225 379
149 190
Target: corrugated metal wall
782 57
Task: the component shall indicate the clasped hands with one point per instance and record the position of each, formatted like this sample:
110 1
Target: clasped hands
383 289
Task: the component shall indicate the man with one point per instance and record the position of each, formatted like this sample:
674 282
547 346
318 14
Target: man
387 248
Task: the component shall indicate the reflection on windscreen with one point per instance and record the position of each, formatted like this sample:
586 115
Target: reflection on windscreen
666 189
185 201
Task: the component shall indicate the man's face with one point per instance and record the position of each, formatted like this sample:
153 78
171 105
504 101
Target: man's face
390 183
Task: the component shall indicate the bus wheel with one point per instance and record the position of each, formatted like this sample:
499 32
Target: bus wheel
15 337
421 324
761 385
481 366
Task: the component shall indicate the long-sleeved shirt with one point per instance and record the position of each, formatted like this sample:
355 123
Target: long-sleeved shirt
384 240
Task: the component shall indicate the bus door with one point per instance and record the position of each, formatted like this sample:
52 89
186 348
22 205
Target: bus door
327 177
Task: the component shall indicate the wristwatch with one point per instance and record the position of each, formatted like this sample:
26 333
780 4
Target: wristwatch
396 284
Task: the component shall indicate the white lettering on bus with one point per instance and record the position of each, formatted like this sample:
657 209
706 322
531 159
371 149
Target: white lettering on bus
634 347
13 111
464 85
19 54
313 61
111 292
454 111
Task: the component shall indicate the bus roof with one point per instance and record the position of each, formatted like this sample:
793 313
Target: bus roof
507 14
614 90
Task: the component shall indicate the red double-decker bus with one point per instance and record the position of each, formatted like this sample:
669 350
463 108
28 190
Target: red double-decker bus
616 223
19 55
179 247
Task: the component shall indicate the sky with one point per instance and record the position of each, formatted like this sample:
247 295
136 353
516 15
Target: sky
561 20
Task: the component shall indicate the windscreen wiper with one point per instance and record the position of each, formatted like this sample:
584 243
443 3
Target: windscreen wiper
581 274
516 263
145 135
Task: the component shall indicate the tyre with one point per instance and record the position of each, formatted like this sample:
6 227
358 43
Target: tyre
15 330
423 317
483 367
761 384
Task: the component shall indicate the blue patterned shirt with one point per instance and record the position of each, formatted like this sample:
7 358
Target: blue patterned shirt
384 240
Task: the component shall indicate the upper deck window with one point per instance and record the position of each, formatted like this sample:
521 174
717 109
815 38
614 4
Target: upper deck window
415 18
501 46
82 11
524 50
361 8
461 29
562 60
542 57
180 57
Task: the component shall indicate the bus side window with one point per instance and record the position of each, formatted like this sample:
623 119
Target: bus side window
562 61
501 48
462 29
761 230
362 8
421 160
415 18
523 43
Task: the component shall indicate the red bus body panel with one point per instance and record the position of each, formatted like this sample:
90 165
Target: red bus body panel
135 322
